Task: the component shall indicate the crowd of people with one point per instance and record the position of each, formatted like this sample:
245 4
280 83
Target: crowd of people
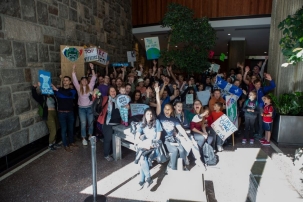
182 126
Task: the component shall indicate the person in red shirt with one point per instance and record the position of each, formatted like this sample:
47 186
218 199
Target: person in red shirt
267 119
215 115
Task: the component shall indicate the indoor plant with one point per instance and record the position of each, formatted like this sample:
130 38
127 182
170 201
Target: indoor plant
193 37
287 126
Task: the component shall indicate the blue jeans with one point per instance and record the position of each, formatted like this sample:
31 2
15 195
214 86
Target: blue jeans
144 167
86 116
66 120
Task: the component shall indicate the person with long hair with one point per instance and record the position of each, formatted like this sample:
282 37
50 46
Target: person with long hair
84 90
149 129
137 97
198 128
109 117
183 119
169 125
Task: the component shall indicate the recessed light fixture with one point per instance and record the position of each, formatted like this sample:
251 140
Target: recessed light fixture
226 52
228 34
265 52
141 39
176 46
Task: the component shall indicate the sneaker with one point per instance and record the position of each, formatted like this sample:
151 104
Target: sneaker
57 145
84 142
109 158
141 185
243 141
265 143
220 148
52 147
185 168
126 124
251 141
149 181
262 140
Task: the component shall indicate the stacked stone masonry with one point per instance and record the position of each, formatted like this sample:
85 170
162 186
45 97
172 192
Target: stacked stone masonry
31 32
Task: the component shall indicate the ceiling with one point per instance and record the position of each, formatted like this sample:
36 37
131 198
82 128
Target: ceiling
255 32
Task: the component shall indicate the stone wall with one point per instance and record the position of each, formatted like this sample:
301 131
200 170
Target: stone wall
31 32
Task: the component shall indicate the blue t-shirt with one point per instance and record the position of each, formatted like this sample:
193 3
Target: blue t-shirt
150 133
168 124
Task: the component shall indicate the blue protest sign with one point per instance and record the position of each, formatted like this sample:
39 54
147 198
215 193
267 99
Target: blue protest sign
120 64
230 88
45 81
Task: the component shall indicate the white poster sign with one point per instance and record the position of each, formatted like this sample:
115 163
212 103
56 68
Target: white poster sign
152 47
224 127
102 57
90 54
122 100
131 56
204 96
138 109
215 67
189 99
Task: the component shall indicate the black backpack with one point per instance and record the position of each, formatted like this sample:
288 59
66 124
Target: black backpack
97 106
209 157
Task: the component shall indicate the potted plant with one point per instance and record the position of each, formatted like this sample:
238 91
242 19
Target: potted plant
190 39
287 126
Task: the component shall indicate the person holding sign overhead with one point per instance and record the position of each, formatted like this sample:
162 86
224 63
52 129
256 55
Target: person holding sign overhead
84 90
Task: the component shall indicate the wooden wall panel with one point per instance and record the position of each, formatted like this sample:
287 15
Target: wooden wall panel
152 11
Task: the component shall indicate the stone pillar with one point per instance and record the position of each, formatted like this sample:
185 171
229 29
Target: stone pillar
236 52
288 79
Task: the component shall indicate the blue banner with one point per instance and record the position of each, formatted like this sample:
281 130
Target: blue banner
45 81
230 88
120 64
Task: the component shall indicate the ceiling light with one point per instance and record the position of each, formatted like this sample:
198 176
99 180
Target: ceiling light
176 46
265 52
228 34
141 39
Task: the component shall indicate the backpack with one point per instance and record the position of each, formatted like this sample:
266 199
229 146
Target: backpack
209 158
97 106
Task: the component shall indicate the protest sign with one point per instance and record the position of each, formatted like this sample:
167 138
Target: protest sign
138 109
102 57
152 48
189 99
215 67
131 56
204 96
224 85
120 64
224 127
45 81
231 108
90 54
122 100
71 55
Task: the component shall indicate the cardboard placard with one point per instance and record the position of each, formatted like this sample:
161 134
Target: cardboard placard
189 99
45 81
224 127
204 96
102 57
122 100
131 56
152 47
231 108
90 54
138 109
71 55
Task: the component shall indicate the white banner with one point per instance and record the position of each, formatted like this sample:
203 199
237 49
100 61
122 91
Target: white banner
204 96
90 54
131 56
224 127
138 109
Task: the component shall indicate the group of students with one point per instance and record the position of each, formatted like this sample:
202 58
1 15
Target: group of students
175 121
